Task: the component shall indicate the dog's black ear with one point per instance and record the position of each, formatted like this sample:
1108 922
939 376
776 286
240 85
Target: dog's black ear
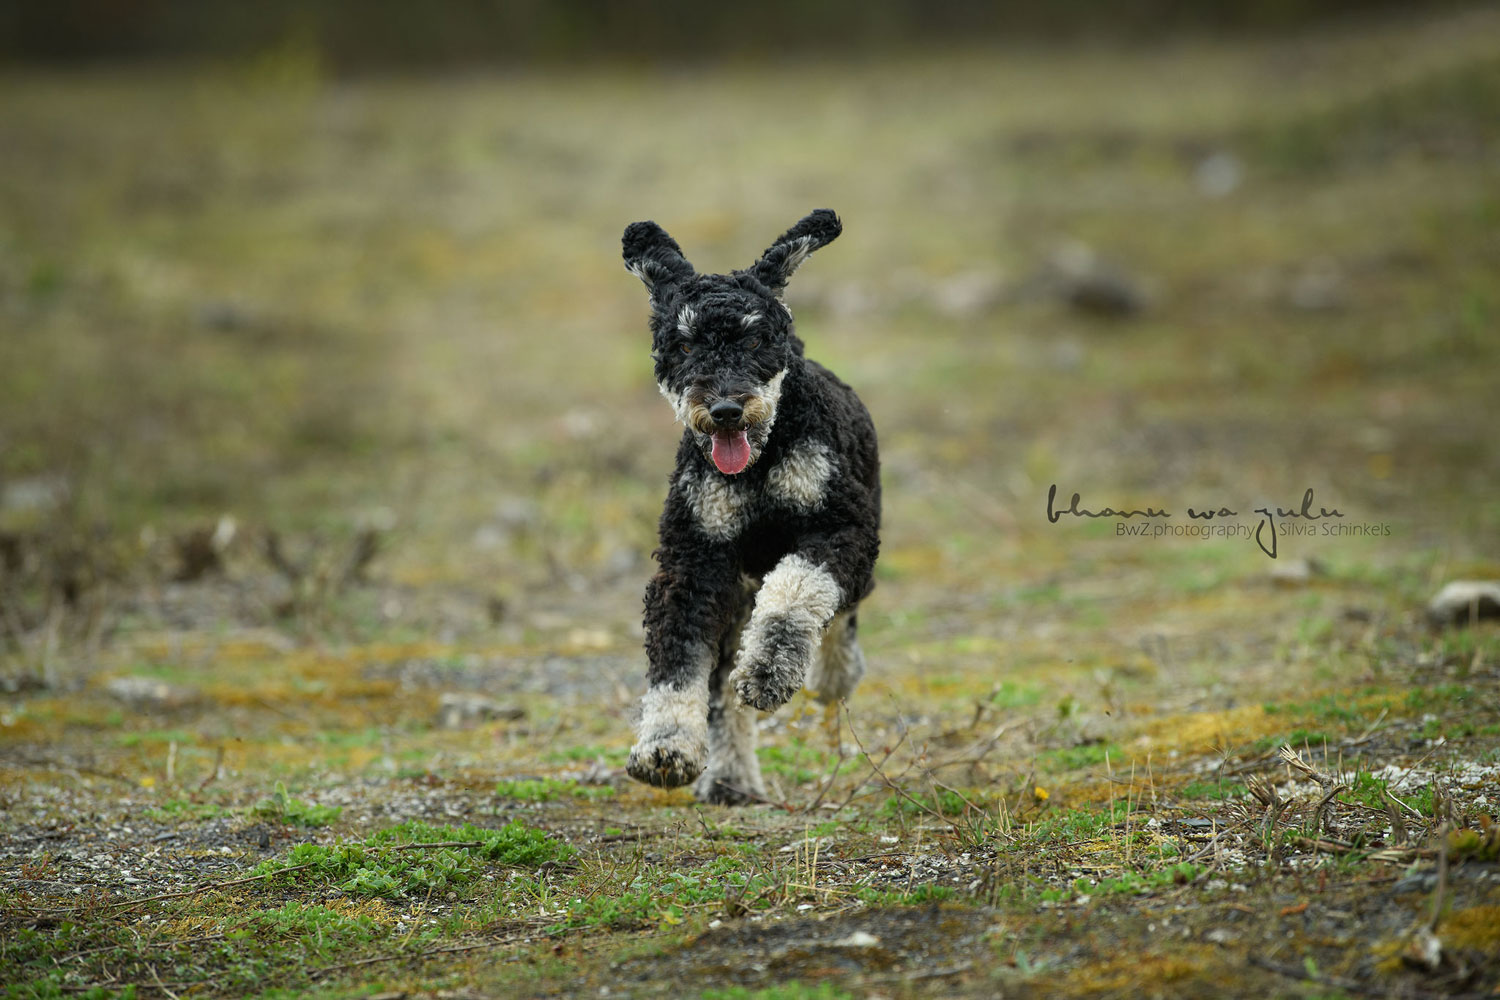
817 229
654 257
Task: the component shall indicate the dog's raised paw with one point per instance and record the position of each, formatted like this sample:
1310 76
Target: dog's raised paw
666 762
773 664
765 689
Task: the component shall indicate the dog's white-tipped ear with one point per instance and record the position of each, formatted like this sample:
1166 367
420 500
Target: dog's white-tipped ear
654 257
817 229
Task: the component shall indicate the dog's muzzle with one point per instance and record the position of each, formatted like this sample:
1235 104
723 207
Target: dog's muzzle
729 422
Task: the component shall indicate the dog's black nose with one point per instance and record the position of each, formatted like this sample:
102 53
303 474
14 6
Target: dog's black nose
726 412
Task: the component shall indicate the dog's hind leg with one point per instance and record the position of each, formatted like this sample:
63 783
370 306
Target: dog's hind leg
840 663
733 774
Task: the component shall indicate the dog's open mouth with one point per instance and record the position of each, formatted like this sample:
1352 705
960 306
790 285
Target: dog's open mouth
731 451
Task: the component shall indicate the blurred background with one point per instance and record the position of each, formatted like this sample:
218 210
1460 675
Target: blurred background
313 323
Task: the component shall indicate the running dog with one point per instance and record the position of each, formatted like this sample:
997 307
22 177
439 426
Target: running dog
771 525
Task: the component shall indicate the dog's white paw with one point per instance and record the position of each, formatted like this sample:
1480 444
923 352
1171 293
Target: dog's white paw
667 760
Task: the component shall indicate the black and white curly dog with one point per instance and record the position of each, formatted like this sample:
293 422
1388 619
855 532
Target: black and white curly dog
772 520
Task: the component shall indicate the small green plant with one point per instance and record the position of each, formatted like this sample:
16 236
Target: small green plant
282 808
1372 791
320 931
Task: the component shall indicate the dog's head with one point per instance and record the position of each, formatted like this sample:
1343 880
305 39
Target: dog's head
723 342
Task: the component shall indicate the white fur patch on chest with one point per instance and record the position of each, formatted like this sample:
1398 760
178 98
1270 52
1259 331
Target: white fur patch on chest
800 479
721 507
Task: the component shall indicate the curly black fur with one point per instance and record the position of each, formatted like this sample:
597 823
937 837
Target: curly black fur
777 487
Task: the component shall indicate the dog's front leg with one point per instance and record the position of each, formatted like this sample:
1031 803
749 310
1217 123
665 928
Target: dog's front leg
795 603
688 605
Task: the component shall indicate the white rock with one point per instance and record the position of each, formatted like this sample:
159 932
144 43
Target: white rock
858 939
1462 599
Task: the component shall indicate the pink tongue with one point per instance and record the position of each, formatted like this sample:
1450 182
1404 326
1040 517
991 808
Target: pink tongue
731 451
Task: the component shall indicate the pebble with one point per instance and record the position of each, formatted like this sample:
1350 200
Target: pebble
1460 600
462 709
858 939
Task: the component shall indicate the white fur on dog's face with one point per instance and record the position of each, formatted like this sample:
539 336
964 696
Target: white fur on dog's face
678 400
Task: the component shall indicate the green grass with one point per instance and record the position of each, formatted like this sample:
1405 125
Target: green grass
1212 790
185 809
793 990
1128 883
916 896
1079 824
943 802
381 865
1077 758
549 790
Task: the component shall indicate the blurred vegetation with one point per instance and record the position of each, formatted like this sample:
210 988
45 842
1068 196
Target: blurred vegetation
372 34
326 414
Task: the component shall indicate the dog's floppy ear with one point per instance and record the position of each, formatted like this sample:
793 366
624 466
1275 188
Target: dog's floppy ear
817 229
654 257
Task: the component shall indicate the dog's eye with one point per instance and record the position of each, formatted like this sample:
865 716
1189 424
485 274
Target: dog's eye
686 349
754 344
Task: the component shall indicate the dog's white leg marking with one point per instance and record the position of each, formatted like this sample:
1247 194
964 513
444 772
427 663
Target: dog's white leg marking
795 602
800 480
840 663
673 730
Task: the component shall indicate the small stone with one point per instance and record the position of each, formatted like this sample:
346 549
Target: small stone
967 295
1295 572
1218 174
1462 600
1319 287
223 316
1091 285
858 939
1425 951
1219 935
150 693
